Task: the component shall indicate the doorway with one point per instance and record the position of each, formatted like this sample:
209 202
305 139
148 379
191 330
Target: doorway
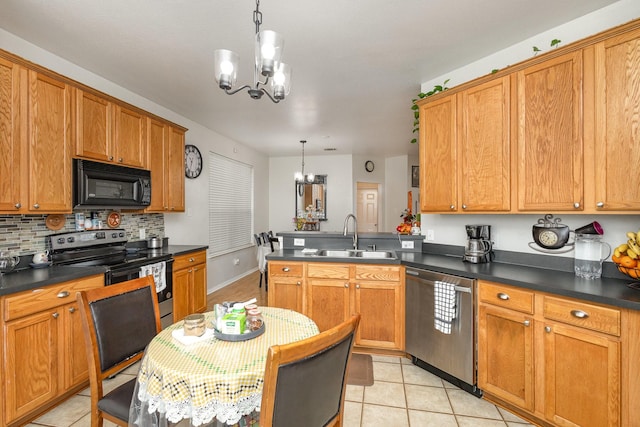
367 206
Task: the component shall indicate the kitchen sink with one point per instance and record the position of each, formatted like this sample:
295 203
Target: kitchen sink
350 253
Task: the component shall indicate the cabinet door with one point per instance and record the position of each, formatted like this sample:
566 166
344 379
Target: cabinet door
199 288
30 367
617 78
550 146
11 135
438 172
181 294
328 302
93 127
484 147
286 292
174 177
156 161
74 367
582 377
130 137
505 355
382 317
49 153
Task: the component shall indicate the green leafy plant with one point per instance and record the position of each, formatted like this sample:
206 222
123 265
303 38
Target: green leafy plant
554 43
416 111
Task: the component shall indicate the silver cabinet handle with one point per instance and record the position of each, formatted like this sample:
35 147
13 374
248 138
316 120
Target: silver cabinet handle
579 314
63 294
576 205
547 329
18 205
357 286
110 158
452 207
72 309
503 296
120 159
191 259
346 285
298 283
464 206
600 204
526 323
285 269
36 206
55 315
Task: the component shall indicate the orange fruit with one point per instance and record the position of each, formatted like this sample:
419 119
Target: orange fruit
615 259
627 261
632 272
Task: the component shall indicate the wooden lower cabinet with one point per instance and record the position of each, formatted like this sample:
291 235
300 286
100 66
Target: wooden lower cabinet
44 357
562 361
329 293
189 284
286 285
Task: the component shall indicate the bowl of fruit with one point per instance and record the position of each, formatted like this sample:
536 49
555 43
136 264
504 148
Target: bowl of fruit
627 256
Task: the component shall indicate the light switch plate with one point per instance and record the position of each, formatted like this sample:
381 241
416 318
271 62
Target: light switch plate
407 244
298 242
431 235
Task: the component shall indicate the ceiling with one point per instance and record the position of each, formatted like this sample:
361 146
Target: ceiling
357 64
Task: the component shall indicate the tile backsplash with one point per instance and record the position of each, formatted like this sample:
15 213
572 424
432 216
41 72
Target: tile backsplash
25 234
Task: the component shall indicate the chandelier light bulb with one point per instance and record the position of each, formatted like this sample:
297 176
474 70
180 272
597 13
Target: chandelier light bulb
298 176
268 51
226 67
310 177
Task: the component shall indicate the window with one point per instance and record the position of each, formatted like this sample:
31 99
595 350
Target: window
230 204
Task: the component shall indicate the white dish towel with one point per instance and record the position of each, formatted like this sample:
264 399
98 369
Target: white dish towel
444 309
158 270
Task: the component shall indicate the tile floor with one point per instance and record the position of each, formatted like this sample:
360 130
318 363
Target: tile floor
403 395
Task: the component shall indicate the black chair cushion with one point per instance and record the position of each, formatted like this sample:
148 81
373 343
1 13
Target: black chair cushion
118 401
309 391
125 324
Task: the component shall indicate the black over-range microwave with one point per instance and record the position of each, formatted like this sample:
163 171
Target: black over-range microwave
101 185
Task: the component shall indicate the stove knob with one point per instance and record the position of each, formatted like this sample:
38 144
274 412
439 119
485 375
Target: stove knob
60 240
121 234
114 235
71 239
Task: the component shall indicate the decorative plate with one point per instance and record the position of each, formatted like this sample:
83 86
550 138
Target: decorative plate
55 221
114 220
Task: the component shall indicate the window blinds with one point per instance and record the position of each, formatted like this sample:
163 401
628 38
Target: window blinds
230 204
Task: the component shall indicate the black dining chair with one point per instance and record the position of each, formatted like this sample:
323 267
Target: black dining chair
305 381
118 321
262 263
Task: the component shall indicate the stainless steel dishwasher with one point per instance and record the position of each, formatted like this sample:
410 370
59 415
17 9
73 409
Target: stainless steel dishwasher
443 345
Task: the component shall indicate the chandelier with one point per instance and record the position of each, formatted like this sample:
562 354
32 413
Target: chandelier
301 177
276 74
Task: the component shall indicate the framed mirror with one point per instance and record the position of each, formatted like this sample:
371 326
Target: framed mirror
312 194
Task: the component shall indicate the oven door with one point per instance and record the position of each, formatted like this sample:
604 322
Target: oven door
165 297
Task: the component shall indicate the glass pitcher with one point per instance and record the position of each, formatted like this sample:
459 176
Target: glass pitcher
590 251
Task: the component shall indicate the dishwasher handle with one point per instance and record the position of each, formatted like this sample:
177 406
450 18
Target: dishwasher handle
462 289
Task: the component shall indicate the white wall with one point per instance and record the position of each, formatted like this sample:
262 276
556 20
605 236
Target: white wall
338 169
513 232
397 186
181 228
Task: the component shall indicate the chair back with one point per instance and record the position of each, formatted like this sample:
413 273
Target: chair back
258 239
266 240
305 381
118 322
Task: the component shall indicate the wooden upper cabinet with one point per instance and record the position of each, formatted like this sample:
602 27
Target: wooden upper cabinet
94 127
617 118
49 144
438 169
549 143
130 130
166 162
484 147
12 133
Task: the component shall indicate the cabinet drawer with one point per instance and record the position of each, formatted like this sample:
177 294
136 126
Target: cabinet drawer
589 316
328 271
187 260
378 272
506 296
285 269
35 300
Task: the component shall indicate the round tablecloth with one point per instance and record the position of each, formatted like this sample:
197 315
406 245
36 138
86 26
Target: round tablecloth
210 378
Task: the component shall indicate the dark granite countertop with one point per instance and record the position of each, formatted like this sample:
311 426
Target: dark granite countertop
32 278
608 291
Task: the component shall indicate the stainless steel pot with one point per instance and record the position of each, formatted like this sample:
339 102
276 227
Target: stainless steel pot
154 243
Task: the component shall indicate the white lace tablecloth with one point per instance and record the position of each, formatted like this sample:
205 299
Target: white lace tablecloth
211 379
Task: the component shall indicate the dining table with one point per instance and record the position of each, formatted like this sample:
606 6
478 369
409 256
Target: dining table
209 379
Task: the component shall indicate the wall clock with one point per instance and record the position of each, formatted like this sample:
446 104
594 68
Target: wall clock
192 161
368 165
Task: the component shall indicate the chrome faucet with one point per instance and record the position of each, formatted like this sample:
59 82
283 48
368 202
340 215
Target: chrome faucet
355 229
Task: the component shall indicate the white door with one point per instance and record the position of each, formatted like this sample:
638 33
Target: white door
367 210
